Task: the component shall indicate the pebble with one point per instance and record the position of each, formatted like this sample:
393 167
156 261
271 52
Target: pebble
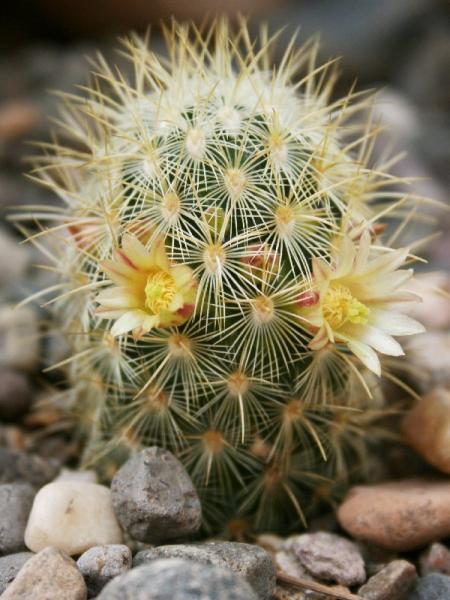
72 516
154 498
427 428
178 579
429 355
250 561
17 118
71 475
49 575
15 394
14 258
329 557
19 337
16 500
100 564
9 567
289 564
394 582
19 466
398 515
431 587
435 559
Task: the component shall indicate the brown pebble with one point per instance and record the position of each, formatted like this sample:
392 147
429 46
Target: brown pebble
427 428
17 118
394 582
399 515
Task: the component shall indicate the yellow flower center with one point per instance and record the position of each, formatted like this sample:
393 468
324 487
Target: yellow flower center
159 291
340 307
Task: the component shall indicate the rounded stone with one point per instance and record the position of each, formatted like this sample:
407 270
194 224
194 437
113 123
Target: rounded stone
15 394
178 579
100 564
49 575
72 516
432 587
16 500
427 428
252 562
18 466
329 557
9 567
154 498
399 515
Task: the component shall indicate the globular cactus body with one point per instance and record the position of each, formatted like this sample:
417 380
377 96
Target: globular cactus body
225 289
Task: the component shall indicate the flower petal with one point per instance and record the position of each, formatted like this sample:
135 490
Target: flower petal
395 323
381 341
366 355
128 321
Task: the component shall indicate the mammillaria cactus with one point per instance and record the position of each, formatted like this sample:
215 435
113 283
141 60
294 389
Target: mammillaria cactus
225 285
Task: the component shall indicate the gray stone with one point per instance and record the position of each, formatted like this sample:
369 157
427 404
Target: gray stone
250 561
100 564
330 557
431 587
15 394
14 258
154 498
19 466
16 500
9 567
49 575
19 337
178 579
394 582
435 559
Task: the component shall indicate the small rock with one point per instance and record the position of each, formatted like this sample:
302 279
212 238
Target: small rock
14 258
19 337
289 564
15 394
72 516
427 428
252 562
329 557
154 498
270 542
436 559
398 515
429 355
100 564
9 567
16 500
71 475
49 575
178 579
375 558
394 582
19 466
17 118
431 587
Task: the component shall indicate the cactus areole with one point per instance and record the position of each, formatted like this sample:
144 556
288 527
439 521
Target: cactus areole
224 279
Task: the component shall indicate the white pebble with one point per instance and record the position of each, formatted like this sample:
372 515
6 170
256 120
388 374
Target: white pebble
73 516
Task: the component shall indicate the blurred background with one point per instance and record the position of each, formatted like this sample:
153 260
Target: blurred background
401 47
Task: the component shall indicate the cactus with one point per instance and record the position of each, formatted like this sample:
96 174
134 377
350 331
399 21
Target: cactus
223 278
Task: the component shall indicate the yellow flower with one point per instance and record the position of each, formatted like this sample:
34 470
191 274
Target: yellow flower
149 292
356 301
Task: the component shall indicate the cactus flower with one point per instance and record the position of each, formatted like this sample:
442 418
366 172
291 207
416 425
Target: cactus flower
357 300
149 292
